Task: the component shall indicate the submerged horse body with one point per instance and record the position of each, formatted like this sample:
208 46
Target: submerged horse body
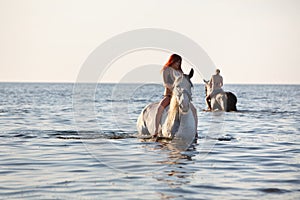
178 120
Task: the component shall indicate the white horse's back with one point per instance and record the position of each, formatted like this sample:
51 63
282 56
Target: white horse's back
218 102
146 120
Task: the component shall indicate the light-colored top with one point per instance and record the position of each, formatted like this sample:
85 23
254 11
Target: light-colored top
168 78
216 82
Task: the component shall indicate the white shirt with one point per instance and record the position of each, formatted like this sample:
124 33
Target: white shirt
169 76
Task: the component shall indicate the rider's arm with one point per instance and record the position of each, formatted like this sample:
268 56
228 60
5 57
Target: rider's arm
210 82
167 79
221 82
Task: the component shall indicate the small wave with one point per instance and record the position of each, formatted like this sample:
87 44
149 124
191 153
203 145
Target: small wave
214 187
25 136
4 111
95 137
273 190
226 137
69 134
90 135
268 111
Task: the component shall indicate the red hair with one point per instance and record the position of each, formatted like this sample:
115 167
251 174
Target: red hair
173 58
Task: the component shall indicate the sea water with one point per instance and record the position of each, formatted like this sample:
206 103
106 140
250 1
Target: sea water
64 141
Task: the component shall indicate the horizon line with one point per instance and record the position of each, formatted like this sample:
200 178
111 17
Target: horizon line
87 82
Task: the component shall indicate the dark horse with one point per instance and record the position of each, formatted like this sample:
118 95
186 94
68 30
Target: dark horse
225 101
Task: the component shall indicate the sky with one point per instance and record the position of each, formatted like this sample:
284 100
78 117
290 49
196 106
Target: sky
250 41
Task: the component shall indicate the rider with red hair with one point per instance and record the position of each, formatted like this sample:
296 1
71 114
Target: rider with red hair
172 67
170 71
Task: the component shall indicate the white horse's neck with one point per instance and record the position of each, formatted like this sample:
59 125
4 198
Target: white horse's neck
187 123
172 119
180 119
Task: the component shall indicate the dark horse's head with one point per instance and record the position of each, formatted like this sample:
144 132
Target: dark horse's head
207 87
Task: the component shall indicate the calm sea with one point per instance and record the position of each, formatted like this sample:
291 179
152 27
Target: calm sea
65 141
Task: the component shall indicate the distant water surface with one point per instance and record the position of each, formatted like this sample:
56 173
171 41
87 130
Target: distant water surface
57 142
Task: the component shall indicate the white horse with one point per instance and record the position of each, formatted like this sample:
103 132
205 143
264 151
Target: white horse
224 101
178 121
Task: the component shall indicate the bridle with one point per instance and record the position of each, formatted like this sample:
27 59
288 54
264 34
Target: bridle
181 92
189 94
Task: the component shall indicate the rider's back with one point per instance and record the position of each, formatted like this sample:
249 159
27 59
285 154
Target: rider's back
216 81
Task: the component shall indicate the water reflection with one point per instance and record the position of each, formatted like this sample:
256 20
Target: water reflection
177 171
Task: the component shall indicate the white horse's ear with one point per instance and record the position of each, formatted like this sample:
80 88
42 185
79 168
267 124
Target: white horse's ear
191 74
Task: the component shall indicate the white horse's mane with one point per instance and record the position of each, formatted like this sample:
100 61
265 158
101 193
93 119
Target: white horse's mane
173 110
181 82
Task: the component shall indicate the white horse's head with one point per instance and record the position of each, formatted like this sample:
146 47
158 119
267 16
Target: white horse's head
181 100
182 91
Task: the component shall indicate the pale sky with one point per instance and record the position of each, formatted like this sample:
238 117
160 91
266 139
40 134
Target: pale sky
251 41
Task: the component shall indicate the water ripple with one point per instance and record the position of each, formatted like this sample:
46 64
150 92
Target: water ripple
46 154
